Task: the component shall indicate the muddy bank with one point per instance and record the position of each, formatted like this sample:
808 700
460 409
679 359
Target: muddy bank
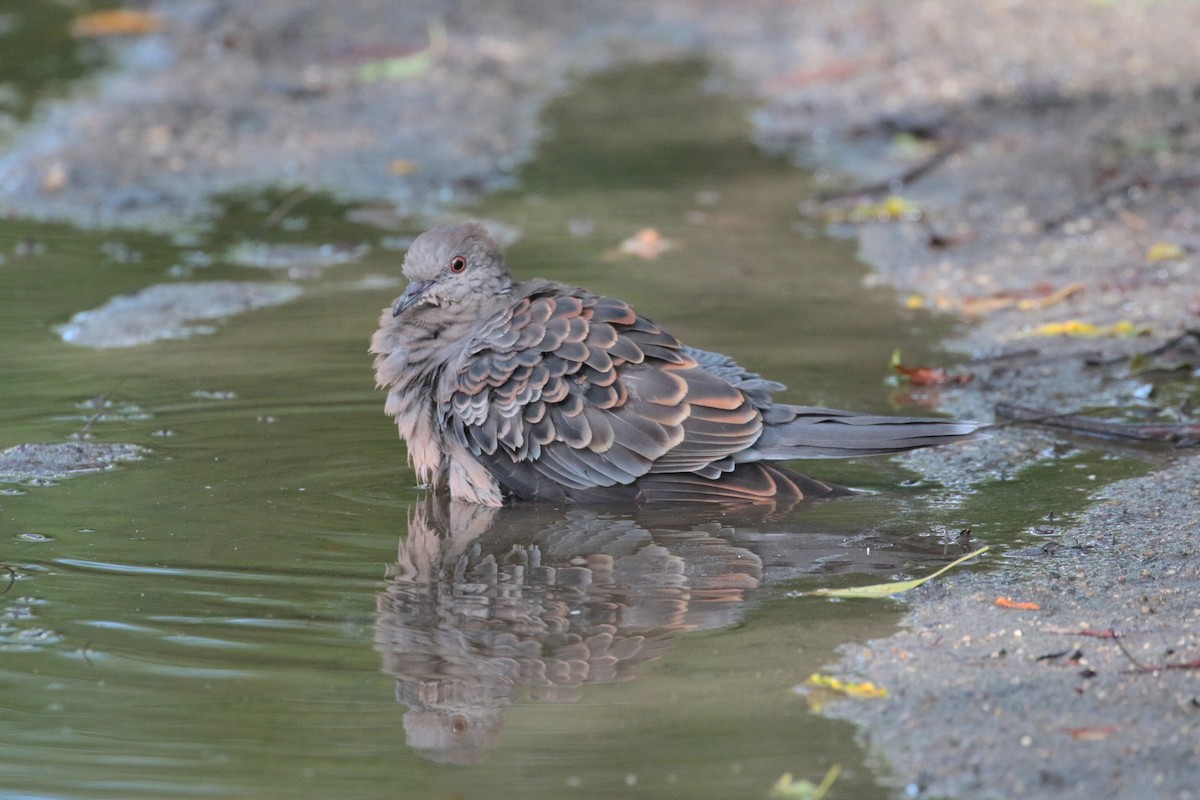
1095 694
1047 147
1064 200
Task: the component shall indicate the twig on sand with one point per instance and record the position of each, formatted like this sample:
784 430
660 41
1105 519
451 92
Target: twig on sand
1183 434
910 175
1117 638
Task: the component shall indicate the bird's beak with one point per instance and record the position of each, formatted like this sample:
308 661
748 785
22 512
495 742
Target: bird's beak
413 294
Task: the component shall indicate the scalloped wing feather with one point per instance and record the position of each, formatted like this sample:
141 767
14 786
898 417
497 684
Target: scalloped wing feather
566 392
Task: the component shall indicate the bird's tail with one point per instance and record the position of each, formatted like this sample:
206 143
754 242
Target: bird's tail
806 432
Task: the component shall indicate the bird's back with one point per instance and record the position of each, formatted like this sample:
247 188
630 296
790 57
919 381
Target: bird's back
569 395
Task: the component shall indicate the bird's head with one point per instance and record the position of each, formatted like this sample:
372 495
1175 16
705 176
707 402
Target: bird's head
455 274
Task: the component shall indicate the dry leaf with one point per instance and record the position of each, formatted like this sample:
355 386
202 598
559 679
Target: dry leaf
1005 602
1132 220
1087 330
1033 303
788 788
117 22
893 208
647 243
928 376
411 65
55 178
403 166
1097 733
1042 295
1165 251
859 690
878 590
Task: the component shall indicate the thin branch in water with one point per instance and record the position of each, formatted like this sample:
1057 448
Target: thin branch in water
12 578
98 402
285 207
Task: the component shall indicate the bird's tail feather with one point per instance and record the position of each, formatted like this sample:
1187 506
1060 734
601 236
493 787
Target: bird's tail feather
792 432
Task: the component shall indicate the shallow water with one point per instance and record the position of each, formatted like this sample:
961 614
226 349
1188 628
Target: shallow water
267 606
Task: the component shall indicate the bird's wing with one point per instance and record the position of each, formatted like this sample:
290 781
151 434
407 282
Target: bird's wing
573 390
753 385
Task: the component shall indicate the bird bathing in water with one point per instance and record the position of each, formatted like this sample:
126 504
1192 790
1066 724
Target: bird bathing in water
543 391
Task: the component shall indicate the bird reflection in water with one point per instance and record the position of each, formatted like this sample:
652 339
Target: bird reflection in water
490 606
486 607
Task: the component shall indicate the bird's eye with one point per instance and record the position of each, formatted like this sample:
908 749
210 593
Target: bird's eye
458 264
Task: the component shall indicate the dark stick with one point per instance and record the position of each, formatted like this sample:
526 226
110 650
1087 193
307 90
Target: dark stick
1182 434
913 173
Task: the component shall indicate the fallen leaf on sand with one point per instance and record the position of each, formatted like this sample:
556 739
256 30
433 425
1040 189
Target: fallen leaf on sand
1097 733
403 166
116 22
1087 330
1041 295
1165 251
1005 602
892 209
411 65
56 177
928 376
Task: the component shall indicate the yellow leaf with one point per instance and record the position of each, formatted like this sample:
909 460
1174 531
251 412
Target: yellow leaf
877 590
117 22
403 166
1087 330
914 301
860 690
787 788
409 66
1032 303
894 207
1164 251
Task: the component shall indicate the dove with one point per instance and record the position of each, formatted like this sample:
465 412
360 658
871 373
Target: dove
538 390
